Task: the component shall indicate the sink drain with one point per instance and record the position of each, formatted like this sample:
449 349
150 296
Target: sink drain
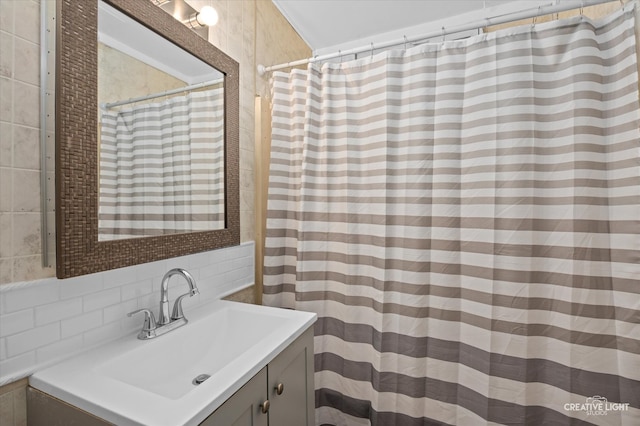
199 379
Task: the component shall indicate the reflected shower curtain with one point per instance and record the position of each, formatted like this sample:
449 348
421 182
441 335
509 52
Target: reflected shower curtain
162 167
465 220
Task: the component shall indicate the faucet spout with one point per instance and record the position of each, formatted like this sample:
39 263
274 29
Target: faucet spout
164 317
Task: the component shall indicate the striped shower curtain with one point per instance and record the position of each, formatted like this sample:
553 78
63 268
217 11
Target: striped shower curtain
162 167
465 220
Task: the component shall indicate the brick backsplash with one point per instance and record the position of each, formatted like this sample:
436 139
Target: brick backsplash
44 321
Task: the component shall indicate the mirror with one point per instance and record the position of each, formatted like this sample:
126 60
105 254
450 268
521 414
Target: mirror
118 205
160 132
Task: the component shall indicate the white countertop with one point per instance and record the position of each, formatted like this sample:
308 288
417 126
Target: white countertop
136 382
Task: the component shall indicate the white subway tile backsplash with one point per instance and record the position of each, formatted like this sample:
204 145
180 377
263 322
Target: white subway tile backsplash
101 299
119 311
26 341
228 265
235 275
43 321
138 289
178 262
3 349
79 286
29 295
119 277
150 270
84 322
12 368
16 322
157 282
199 260
131 323
105 333
210 271
52 312
59 349
211 286
152 301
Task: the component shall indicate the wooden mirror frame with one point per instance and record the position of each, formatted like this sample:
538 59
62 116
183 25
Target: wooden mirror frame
78 251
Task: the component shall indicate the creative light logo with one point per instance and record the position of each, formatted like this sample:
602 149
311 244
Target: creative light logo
596 406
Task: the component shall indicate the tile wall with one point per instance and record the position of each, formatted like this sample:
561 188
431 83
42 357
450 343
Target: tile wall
20 245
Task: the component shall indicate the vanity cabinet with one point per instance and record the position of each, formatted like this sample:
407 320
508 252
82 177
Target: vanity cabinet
244 408
281 394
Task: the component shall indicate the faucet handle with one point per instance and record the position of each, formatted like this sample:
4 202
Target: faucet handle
149 319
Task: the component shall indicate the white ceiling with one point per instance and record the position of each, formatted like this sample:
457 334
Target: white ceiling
120 32
329 25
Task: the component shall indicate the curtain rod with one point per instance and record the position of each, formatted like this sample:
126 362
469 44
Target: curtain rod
106 106
485 22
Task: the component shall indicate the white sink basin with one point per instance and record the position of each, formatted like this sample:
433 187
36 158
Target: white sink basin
167 367
135 382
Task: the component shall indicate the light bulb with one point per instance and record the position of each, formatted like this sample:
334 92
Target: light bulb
207 16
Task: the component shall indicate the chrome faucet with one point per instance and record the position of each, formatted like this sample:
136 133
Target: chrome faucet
152 328
164 296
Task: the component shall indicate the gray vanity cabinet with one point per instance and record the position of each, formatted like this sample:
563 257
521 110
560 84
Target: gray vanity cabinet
290 384
244 408
284 389
281 394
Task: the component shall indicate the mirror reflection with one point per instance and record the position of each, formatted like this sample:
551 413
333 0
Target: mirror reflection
160 132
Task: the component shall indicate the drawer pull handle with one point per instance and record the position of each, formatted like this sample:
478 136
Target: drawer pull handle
279 388
264 407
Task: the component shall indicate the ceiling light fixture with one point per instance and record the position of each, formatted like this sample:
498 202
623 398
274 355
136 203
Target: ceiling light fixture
206 17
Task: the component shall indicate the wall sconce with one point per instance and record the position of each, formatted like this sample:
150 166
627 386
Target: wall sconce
206 17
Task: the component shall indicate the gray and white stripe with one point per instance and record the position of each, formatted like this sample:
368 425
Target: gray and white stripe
465 220
162 167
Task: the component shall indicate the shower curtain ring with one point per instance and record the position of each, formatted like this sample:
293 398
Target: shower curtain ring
405 41
535 18
443 34
372 49
340 54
